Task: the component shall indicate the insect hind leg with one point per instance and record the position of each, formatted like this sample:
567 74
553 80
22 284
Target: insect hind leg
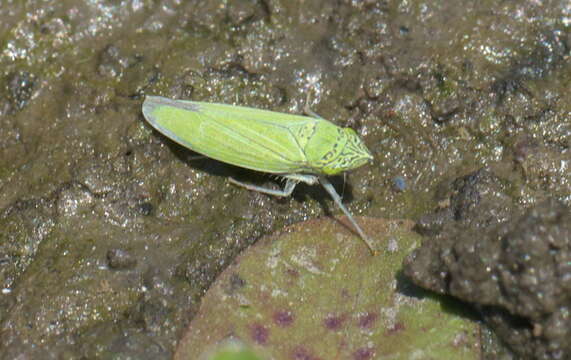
331 190
287 190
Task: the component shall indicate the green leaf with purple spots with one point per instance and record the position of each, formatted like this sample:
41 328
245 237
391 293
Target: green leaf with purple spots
311 293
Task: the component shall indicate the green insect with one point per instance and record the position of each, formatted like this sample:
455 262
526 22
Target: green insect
298 148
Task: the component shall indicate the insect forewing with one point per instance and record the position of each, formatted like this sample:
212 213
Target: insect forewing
250 138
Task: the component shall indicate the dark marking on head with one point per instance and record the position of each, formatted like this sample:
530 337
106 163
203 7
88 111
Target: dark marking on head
348 152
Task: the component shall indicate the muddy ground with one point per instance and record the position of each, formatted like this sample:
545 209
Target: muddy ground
110 233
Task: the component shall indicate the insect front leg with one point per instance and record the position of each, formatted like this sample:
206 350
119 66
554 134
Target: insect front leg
307 109
287 190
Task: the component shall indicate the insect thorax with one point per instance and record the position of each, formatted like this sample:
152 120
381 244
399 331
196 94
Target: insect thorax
332 149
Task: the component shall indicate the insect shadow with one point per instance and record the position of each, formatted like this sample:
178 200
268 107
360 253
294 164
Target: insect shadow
221 169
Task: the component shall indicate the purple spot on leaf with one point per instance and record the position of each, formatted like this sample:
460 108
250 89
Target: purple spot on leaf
363 354
367 320
283 318
260 334
333 322
301 353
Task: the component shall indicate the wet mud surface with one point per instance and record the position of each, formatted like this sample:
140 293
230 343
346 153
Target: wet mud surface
110 233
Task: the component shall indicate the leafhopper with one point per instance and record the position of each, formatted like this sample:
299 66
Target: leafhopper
297 148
